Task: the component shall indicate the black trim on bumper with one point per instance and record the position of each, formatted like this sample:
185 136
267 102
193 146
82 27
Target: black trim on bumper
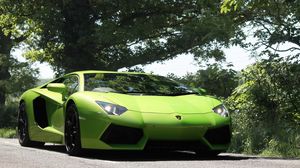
116 134
175 145
221 135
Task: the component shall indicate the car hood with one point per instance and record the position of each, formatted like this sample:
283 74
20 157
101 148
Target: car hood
160 104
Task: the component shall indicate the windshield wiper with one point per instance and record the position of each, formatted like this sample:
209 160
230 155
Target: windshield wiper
142 93
181 94
158 93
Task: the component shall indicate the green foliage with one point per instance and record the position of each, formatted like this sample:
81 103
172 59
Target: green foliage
88 34
15 28
272 23
8 115
268 97
266 105
7 133
23 77
231 5
214 79
13 20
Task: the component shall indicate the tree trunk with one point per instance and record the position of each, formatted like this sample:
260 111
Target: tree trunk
2 98
80 44
6 44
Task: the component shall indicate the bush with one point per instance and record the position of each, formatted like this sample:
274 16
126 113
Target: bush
8 115
7 133
266 110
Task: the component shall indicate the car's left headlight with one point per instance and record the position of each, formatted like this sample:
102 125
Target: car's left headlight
112 109
221 110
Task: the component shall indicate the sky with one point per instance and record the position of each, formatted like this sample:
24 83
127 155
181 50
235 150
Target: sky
184 64
180 66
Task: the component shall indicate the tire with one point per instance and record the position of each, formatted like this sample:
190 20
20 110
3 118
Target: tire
72 131
22 129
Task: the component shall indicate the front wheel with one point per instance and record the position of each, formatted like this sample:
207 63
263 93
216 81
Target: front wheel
72 131
22 130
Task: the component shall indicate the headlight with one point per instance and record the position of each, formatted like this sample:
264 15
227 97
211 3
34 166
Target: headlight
221 110
111 109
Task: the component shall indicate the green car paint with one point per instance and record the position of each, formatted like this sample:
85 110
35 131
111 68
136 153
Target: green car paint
161 118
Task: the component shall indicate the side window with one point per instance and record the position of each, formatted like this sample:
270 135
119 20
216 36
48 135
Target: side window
72 84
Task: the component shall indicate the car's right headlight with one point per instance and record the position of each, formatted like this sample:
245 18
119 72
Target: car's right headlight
221 110
112 109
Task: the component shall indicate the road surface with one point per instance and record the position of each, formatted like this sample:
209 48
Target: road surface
12 155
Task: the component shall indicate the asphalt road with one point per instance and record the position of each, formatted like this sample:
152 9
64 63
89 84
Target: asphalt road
12 155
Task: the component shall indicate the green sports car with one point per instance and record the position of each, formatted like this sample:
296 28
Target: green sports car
122 111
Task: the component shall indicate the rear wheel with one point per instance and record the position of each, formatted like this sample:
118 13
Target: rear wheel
72 131
22 130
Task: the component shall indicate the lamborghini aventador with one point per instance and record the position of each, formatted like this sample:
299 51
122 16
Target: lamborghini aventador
122 111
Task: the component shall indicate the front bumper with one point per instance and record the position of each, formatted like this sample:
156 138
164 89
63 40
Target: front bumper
139 131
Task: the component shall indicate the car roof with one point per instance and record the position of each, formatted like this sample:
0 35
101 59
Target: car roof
99 71
90 71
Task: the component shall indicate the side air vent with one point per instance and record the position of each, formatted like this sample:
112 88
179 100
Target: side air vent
40 113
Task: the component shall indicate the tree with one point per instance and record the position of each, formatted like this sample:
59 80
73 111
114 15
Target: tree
14 29
266 106
89 34
273 22
22 77
268 98
214 79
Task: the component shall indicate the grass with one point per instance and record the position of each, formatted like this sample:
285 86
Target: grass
8 133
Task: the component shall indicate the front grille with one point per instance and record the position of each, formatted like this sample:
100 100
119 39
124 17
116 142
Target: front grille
116 134
221 135
175 145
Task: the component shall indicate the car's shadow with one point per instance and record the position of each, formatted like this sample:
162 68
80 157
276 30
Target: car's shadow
153 156
143 155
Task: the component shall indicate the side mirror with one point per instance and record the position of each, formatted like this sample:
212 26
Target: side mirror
56 87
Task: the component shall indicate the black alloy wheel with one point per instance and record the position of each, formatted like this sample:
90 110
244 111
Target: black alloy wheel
72 131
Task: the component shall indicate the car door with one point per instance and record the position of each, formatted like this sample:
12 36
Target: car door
56 115
48 110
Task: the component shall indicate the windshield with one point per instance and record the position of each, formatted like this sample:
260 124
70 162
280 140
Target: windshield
134 84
